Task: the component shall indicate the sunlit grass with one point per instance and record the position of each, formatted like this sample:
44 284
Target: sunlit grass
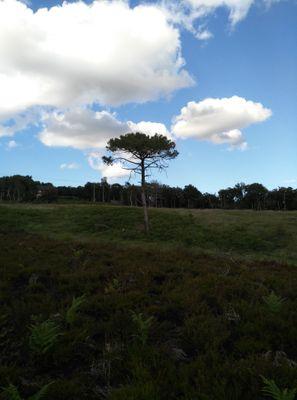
258 235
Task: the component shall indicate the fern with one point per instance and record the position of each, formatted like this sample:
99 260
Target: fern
273 302
71 313
41 394
11 393
271 389
143 326
43 336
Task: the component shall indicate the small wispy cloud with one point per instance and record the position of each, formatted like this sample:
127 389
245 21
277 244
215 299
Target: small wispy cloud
12 144
109 171
290 181
69 166
203 34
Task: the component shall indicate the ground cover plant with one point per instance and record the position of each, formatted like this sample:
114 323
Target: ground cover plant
253 234
91 308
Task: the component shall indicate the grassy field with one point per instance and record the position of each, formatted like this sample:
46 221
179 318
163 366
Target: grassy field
258 235
198 310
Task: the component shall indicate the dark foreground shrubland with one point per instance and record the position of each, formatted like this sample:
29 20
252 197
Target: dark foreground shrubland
93 309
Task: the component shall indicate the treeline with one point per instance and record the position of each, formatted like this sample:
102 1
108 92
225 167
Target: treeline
254 196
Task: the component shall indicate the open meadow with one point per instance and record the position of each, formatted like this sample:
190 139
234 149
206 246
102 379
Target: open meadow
202 308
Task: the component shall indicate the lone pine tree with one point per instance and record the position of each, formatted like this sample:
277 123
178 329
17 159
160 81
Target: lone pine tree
140 153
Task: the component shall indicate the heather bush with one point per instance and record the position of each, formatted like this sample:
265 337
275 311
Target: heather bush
204 326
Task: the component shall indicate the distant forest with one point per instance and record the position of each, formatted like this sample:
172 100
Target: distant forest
254 196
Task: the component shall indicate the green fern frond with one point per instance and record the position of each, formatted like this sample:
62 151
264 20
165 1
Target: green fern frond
12 393
71 313
41 394
143 326
43 336
273 302
271 389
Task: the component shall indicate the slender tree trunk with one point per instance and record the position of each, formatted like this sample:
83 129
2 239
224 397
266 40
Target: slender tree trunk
94 193
131 198
143 197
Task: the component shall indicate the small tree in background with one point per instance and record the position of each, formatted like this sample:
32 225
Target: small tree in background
139 153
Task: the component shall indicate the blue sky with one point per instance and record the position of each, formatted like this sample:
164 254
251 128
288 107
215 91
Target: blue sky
255 60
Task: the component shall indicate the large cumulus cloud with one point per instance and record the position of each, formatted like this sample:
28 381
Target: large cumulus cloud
82 128
105 52
219 120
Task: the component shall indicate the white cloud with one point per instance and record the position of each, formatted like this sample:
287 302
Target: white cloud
238 9
69 166
109 171
149 128
111 53
82 128
12 144
187 13
105 52
18 123
219 120
203 34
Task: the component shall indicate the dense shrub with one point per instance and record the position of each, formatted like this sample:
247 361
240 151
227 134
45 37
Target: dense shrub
131 322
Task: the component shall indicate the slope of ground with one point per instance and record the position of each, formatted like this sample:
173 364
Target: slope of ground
151 320
261 235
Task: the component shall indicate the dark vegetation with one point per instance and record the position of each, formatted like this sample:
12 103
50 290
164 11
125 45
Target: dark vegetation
254 196
202 308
